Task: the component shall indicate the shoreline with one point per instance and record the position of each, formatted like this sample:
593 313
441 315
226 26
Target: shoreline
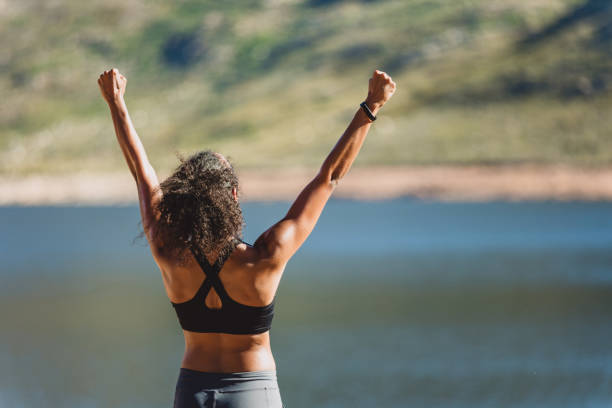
442 182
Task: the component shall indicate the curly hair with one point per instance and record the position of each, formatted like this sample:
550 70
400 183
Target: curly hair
198 208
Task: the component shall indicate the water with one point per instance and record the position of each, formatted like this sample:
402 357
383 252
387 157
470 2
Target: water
398 303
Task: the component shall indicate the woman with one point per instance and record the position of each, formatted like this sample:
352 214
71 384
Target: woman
222 288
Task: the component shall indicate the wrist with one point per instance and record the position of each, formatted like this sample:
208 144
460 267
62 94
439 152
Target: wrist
374 106
116 103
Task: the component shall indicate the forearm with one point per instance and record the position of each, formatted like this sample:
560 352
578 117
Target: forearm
128 139
342 156
126 155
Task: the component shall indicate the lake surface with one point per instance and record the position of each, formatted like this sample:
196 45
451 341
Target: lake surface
400 303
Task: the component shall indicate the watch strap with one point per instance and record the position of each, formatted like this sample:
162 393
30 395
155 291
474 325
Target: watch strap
367 111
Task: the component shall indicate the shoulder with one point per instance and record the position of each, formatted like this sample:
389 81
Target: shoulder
256 259
253 265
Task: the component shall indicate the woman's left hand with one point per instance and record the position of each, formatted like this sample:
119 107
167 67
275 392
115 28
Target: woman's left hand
112 85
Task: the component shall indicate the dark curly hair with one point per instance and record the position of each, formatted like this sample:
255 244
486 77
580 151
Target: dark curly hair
198 208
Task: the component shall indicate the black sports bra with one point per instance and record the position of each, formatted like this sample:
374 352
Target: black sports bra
232 317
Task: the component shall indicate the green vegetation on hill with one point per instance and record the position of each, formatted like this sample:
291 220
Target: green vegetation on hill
275 82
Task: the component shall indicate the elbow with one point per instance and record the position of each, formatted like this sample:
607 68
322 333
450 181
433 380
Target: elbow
337 175
332 176
145 172
327 176
326 179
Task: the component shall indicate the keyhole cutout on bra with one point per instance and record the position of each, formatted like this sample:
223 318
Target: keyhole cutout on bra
213 301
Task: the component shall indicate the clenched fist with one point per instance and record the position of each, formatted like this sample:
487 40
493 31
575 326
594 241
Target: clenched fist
380 90
112 85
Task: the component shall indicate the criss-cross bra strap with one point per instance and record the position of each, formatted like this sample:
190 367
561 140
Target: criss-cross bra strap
212 271
238 240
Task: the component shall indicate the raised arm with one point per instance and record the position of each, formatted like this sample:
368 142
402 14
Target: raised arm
112 85
284 238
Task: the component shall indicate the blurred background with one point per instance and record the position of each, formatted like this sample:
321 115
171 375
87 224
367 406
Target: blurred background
400 302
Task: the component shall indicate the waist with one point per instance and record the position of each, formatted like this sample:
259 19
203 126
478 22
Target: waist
226 353
236 381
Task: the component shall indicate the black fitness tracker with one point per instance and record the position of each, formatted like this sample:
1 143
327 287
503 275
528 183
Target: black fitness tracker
367 111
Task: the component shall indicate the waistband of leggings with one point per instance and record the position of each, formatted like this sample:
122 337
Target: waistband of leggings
245 376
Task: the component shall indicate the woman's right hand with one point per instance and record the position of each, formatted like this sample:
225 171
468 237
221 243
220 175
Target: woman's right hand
112 85
380 89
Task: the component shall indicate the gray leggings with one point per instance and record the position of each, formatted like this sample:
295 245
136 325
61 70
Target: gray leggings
251 389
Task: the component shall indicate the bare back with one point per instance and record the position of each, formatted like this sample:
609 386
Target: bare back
248 280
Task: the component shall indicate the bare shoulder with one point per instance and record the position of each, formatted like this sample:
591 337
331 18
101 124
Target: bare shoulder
256 258
269 246
252 265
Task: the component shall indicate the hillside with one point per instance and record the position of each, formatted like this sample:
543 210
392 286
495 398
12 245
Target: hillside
274 83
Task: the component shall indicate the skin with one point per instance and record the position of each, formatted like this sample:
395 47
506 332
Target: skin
252 273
